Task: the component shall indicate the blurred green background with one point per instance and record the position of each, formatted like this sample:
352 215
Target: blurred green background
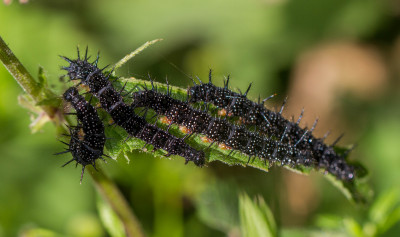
339 59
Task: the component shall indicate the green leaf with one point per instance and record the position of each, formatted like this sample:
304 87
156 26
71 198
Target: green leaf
256 218
42 78
46 96
110 219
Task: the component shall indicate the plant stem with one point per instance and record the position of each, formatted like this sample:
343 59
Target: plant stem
114 197
22 76
17 70
104 185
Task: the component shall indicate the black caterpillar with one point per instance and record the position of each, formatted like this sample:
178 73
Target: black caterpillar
220 130
87 137
124 115
272 124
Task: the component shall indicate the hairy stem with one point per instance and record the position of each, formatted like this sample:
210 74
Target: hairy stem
23 77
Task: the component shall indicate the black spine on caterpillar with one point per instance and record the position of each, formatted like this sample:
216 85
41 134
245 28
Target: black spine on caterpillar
272 124
87 138
124 115
220 130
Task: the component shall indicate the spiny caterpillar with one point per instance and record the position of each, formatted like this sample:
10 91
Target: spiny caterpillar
236 137
123 114
275 139
272 124
87 137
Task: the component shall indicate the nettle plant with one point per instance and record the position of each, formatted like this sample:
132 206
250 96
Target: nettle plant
202 124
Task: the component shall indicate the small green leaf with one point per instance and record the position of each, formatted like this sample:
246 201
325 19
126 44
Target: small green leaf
42 78
256 218
45 96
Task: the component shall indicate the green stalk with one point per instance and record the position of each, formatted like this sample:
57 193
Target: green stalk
104 185
114 197
23 77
